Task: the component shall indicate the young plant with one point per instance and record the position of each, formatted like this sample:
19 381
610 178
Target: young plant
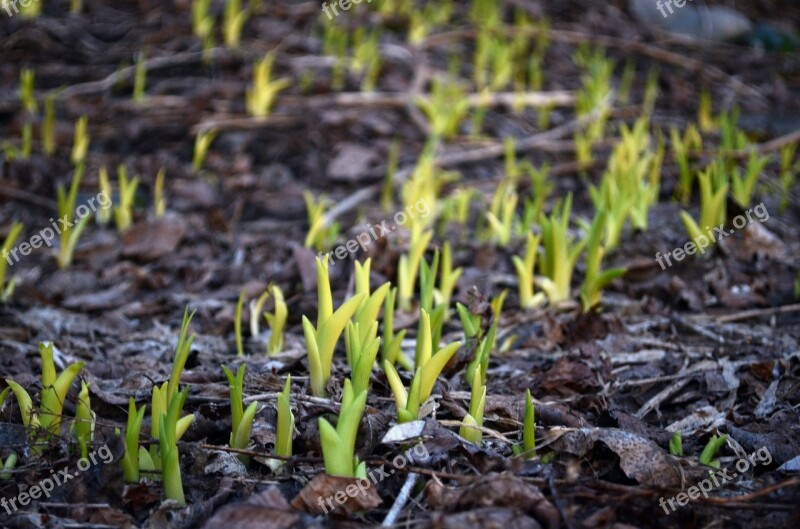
130 460
277 321
168 446
285 427
140 78
480 363
159 201
28 98
541 189
408 267
524 268
471 323
8 466
7 288
681 147
501 216
392 159
260 98
366 57
560 253
711 449
742 187
338 444
48 125
529 428
321 341
366 317
104 214
788 174
676 445
474 419
319 235
712 208
123 213
72 230
361 355
202 143
445 109
80 144
449 278
241 419
595 279
391 341
54 392
237 324
84 421
233 22
428 368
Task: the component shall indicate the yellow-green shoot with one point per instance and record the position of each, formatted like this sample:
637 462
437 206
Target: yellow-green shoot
233 22
742 186
525 274
80 145
321 341
595 279
560 253
676 445
261 96
123 213
241 419
474 419
168 445
681 147
448 279
237 324
320 234
7 285
529 427
202 143
140 78
130 460
391 342
277 321
338 444
84 420
445 109
48 125
408 267
428 369
712 207
710 450
285 427
788 174
159 201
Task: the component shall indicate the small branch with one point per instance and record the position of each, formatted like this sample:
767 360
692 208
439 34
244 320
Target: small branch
400 502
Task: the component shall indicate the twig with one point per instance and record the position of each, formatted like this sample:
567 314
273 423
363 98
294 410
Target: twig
401 500
757 313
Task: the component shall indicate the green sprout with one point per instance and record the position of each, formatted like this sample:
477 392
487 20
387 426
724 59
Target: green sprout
202 143
168 446
676 445
408 267
84 421
233 21
366 315
159 201
261 96
80 145
338 444
560 253
104 214
241 419
731 137
361 355
334 43
427 280
48 125
529 427
366 57
470 323
203 22
473 421
387 203
742 187
7 288
391 341
501 215
595 279
712 207
277 321
525 268
123 213
54 392
541 189
28 98
445 109
140 78
319 235
428 368
480 363
449 277
257 308
705 116
681 147
788 173
285 427
237 324
321 341
8 466
711 449
130 460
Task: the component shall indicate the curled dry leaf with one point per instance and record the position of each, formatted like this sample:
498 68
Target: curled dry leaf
326 494
267 510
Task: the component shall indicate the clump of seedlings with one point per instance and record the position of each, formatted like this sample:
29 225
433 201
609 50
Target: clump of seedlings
242 419
339 444
261 96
